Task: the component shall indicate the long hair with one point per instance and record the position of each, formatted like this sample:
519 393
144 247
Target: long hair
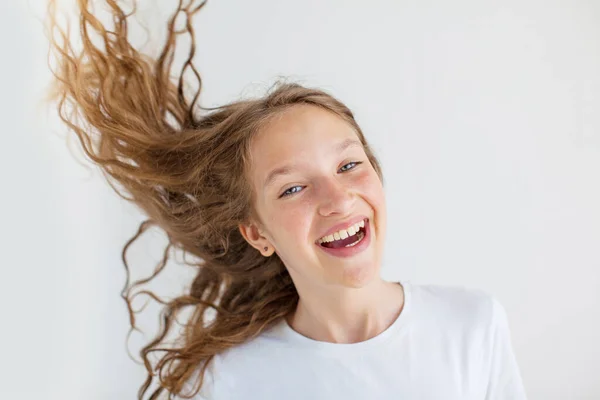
186 168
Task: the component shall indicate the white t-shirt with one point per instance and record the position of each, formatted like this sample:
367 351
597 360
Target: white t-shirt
447 343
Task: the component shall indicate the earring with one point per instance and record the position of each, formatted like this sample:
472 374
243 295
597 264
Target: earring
266 248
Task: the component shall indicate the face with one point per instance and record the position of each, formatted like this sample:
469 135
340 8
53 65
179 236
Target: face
325 183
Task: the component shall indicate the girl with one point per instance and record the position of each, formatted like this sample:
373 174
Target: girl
281 201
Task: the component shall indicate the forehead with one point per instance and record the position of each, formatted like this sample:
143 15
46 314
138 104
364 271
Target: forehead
300 134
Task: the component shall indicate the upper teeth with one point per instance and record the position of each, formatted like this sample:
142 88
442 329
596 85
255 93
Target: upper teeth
343 233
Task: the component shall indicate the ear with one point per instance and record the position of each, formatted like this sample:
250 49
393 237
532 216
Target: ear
254 237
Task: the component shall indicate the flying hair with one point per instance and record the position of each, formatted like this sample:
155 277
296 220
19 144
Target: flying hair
186 168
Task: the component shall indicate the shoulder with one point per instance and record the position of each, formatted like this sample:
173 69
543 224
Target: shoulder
456 305
244 363
210 382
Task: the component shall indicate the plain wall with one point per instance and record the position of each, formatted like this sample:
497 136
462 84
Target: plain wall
485 117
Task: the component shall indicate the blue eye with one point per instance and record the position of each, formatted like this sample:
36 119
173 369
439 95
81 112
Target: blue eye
354 162
289 191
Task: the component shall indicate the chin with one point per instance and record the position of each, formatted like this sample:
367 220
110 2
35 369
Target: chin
359 276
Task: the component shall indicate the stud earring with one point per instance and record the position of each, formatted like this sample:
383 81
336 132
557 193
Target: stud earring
266 248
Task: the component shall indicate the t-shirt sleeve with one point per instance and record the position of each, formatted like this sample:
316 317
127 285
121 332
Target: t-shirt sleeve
505 379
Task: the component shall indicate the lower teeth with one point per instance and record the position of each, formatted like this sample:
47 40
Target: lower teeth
360 237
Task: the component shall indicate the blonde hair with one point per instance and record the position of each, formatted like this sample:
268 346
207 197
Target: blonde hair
187 171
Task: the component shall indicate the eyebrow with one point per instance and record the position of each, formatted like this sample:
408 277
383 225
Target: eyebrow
287 169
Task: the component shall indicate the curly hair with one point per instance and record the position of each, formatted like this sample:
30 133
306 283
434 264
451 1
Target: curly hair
186 167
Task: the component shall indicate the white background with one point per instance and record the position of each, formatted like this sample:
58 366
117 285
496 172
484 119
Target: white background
486 117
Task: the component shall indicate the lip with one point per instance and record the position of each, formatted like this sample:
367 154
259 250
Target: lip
343 225
348 252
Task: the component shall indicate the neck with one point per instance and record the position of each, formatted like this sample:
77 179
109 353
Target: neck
347 315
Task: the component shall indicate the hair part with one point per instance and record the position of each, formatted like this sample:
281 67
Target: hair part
187 170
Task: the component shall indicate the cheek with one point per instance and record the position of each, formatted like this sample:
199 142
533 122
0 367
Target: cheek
368 182
291 221
372 190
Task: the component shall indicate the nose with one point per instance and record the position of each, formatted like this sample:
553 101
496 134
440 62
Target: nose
336 198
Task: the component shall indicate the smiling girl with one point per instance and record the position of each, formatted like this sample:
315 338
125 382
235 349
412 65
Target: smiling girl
281 201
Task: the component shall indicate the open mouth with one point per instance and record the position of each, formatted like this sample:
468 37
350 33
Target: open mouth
350 241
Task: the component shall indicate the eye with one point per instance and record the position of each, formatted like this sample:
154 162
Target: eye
350 163
289 191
